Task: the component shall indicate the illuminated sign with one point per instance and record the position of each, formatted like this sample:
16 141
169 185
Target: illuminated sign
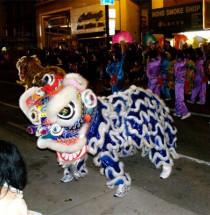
180 18
90 15
107 2
88 19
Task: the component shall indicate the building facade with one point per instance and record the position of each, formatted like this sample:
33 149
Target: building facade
172 16
17 24
70 21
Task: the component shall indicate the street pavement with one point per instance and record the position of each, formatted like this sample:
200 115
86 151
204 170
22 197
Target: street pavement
87 196
185 192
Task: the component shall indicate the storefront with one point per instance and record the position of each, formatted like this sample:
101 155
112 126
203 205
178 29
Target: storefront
183 23
67 22
88 23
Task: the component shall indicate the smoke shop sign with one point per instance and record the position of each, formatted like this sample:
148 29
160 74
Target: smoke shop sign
89 19
176 19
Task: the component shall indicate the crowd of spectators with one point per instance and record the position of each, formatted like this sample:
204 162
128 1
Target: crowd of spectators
91 62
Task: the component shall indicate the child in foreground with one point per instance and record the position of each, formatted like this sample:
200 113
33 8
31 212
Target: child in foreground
12 181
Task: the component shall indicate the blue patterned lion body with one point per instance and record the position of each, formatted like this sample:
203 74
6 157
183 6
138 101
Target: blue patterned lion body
128 121
73 121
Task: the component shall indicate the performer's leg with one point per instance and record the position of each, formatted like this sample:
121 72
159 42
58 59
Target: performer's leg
177 101
76 169
162 158
195 90
114 171
202 94
67 176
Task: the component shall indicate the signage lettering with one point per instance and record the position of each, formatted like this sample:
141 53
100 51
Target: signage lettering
100 24
193 9
90 15
107 2
89 19
175 11
158 13
79 27
90 25
177 19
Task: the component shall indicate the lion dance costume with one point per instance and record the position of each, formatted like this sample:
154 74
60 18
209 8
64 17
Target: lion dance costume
70 119
31 72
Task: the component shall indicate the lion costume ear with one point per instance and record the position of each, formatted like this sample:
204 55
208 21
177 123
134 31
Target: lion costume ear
75 80
26 101
36 59
89 98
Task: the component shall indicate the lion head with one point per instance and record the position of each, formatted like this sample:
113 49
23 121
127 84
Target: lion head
31 72
60 112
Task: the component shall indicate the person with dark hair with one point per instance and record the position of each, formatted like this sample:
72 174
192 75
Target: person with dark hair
179 73
164 74
13 179
82 66
199 85
136 73
171 50
115 70
92 70
153 72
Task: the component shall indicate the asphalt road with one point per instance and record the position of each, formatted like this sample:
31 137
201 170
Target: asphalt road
189 183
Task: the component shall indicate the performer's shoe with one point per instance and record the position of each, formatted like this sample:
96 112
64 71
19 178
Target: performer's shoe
121 190
78 174
177 115
111 187
67 177
166 171
186 116
189 101
200 103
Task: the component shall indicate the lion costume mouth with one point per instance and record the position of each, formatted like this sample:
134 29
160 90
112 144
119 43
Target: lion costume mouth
69 157
22 75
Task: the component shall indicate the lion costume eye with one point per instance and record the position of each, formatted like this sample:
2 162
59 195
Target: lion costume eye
56 130
67 112
40 92
34 116
48 79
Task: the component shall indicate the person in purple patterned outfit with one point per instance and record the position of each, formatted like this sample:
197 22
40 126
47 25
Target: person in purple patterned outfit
153 72
179 73
199 88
